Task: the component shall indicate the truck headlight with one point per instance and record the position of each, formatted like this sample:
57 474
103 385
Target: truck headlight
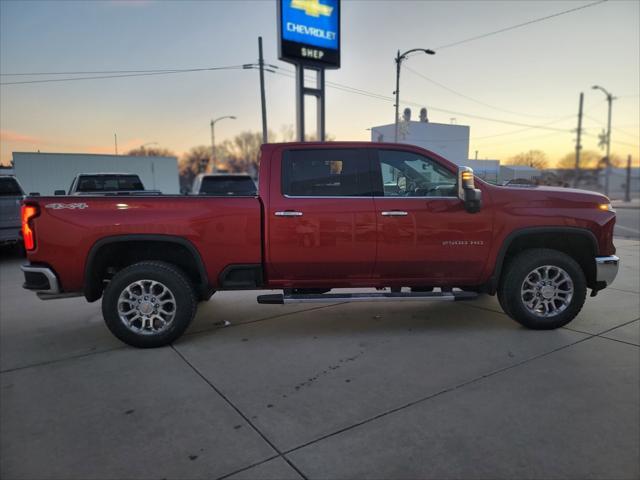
606 207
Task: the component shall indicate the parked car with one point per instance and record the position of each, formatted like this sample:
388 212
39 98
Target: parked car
11 195
224 184
91 183
328 215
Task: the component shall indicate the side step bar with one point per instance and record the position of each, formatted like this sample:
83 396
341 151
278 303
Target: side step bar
279 299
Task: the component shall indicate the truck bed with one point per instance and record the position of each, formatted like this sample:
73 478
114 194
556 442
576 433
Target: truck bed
223 231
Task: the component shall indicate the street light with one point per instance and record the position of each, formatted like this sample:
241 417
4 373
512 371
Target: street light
610 99
399 59
213 140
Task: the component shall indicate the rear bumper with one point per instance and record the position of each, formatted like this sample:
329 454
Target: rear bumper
40 279
606 269
44 282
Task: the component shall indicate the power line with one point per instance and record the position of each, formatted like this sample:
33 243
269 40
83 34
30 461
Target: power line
513 27
162 72
378 96
424 77
93 72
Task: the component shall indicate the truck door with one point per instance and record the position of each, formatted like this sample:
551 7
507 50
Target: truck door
424 232
320 218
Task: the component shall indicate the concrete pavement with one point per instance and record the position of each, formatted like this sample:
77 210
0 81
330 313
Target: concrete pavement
405 390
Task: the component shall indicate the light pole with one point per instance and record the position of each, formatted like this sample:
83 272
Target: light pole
214 167
610 99
399 59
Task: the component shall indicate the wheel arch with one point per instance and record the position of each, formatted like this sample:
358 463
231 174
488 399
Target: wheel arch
119 251
579 243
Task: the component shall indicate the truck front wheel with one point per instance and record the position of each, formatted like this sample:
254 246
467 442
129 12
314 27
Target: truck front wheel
542 289
149 304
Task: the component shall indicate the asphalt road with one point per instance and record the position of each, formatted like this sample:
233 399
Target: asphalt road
628 222
393 390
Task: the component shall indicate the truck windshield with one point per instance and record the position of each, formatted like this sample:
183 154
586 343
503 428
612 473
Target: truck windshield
9 187
242 186
109 183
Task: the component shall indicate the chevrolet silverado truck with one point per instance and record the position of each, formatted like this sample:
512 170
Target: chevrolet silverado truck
400 222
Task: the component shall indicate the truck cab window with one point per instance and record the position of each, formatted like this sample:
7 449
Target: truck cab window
407 174
325 173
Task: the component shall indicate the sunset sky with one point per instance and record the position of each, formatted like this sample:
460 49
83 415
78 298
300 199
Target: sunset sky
502 86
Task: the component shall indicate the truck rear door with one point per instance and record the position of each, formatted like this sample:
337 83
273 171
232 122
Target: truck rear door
321 220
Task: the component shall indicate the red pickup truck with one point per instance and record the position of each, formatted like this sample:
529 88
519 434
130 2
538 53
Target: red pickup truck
327 215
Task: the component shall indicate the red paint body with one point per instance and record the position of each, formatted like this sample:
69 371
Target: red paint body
339 242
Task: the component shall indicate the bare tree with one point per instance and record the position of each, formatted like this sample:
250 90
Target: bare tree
151 152
193 162
532 158
589 159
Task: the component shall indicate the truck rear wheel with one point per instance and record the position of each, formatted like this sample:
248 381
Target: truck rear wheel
149 304
542 289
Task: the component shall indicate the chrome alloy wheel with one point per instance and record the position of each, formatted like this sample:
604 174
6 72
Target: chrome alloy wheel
547 291
146 307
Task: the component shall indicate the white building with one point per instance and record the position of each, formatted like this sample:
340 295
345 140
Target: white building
46 172
448 141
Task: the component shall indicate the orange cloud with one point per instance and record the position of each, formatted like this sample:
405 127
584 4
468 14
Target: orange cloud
15 137
123 147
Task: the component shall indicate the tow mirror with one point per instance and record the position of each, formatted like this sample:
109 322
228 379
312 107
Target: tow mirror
467 191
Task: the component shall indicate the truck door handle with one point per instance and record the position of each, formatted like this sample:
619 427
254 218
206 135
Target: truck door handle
394 213
289 213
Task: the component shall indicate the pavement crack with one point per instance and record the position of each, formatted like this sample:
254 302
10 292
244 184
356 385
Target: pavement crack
238 411
327 371
439 393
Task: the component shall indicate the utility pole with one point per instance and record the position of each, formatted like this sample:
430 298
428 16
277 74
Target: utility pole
576 174
399 59
262 94
610 99
115 139
627 186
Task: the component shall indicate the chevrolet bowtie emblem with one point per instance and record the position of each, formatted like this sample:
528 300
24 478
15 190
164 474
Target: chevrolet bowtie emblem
313 8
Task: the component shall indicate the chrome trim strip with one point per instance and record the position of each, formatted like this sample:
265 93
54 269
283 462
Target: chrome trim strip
607 269
444 297
54 286
369 197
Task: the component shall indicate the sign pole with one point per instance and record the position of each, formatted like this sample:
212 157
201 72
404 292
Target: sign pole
320 106
300 102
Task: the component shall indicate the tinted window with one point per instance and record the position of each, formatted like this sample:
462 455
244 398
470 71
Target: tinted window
326 173
109 183
242 186
407 174
9 187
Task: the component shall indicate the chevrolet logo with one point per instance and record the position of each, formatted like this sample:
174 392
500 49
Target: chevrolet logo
313 8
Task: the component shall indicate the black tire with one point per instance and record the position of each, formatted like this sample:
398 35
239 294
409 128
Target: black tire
518 269
183 300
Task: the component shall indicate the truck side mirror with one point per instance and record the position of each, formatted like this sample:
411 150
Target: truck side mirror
467 191
59 192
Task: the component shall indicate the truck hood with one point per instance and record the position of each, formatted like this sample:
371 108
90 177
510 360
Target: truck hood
550 196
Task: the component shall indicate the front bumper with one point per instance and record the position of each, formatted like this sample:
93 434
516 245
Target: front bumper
606 269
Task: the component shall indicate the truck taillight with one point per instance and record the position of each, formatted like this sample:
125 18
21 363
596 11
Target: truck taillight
29 212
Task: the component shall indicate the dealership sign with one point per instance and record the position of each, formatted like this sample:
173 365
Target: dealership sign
309 32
